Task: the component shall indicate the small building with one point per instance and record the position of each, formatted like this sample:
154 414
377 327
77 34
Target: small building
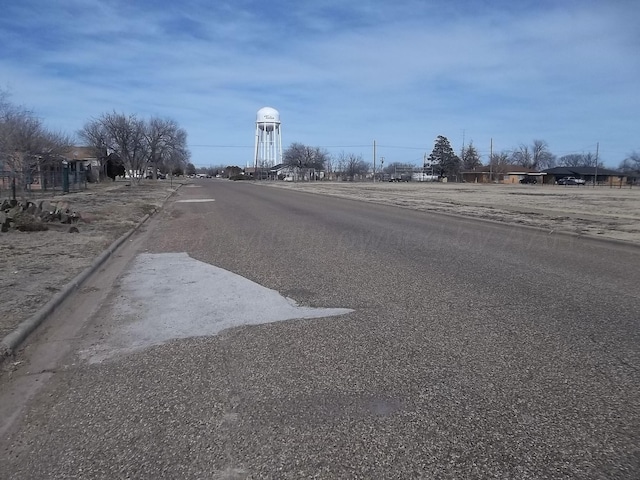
85 159
481 174
290 173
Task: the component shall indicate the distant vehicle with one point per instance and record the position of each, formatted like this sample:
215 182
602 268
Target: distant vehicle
404 177
529 179
159 176
424 177
571 181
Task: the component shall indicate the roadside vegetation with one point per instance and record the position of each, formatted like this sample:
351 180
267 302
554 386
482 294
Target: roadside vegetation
119 143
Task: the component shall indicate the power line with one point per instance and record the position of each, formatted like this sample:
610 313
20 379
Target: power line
321 146
613 153
222 146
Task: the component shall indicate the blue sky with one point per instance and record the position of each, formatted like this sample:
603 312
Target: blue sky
341 74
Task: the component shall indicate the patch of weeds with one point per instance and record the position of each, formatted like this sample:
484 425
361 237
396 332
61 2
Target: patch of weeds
148 209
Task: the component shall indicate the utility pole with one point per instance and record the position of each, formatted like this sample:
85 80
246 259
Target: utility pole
595 177
491 161
374 161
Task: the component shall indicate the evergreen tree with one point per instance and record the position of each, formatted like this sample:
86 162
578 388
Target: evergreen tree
471 158
190 169
443 158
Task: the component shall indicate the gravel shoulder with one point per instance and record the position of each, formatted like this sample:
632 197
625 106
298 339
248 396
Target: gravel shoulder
36 265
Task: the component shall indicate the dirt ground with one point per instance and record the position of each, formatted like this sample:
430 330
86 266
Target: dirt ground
604 212
35 265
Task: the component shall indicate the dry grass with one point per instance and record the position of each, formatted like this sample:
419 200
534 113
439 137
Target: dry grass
35 265
604 212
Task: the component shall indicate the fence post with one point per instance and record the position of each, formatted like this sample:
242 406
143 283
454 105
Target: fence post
65 176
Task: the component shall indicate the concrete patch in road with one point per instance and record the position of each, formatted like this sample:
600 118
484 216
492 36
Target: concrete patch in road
169 296
196 200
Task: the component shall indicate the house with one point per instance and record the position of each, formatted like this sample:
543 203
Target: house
515 173
600 176
89 160
481 174
284 172
498 174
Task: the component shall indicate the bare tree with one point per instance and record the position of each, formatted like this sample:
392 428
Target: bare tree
128 142
631 164
537 156
166 142
178 156
394 167
542 157
95 135
138 144
499 163
329 166
305 158
26 146
522 156
571 160
579 160
352 165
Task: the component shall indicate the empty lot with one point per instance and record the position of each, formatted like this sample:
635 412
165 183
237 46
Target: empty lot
612 213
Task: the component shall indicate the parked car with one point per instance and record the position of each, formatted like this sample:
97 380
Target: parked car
159 176
528 179
571 181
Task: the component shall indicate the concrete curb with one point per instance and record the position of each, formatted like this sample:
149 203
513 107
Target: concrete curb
13 340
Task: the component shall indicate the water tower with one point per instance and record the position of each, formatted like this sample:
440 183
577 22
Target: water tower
268 148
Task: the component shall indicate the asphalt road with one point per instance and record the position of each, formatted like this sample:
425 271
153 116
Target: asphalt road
474 350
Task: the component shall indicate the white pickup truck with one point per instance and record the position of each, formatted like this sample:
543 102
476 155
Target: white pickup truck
571 181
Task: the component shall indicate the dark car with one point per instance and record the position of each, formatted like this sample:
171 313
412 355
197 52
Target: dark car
571 181
527 179
159 176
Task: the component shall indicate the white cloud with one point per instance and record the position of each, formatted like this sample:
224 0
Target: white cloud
340 74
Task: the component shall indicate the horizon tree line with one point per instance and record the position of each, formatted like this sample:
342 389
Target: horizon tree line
28 148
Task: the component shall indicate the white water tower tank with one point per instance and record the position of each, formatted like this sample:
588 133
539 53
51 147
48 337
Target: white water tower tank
268 146
267 118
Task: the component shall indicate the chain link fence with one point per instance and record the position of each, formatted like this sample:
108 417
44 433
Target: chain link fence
46 182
